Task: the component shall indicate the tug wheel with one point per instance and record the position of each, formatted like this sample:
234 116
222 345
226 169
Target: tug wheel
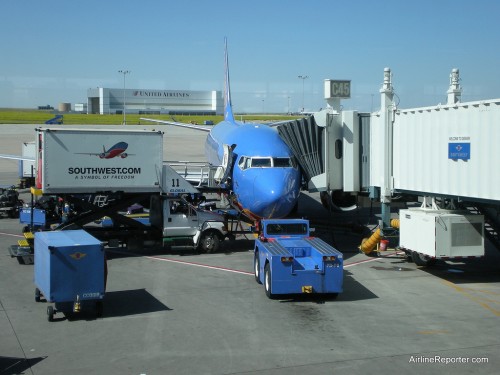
256 267
267 281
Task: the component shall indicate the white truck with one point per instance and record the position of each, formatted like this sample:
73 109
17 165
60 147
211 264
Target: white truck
175 218
183 223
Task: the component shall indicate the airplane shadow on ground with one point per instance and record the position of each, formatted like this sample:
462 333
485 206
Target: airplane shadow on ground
14 365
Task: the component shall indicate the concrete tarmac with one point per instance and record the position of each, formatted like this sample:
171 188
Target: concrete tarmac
177 312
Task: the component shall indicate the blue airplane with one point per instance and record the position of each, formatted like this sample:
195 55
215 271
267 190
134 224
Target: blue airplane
260 170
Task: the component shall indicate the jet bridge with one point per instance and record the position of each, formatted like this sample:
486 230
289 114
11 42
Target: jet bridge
447 151
328 148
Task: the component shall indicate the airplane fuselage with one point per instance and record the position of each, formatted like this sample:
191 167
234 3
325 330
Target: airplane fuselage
114 151
265 180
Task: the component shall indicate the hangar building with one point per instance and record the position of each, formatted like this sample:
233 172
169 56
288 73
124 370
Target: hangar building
113 101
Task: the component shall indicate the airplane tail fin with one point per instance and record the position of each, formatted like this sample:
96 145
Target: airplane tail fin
228 108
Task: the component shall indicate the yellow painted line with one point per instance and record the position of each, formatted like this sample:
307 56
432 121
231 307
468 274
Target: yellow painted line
466 292
434 332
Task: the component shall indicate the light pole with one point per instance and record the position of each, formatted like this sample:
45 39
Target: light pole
124 72
288 105
303 78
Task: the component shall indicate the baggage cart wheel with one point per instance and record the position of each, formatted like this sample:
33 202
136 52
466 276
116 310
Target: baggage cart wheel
267 281
256 267
37 295
422 260
50 313
99 309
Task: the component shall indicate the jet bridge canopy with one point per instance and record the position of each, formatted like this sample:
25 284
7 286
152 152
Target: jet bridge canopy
305 138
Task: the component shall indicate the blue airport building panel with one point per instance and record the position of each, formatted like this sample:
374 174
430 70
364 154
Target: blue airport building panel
69 265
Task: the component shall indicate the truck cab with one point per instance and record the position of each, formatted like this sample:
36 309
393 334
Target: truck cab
182 222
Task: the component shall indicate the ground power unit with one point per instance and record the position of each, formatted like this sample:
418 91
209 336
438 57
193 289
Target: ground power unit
427 235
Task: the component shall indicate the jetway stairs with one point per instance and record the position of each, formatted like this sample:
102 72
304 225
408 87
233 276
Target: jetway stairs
491 220
201 175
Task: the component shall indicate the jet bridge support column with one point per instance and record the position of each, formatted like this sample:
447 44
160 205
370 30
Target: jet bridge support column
386 117
455 91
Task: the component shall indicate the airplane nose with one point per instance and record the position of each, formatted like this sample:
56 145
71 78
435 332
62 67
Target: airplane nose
275 194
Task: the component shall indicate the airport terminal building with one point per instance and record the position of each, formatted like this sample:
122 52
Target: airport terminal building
113 101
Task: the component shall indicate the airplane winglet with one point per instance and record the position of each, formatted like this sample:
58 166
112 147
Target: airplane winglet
228 108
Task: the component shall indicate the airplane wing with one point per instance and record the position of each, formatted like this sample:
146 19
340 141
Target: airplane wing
16 157
181 124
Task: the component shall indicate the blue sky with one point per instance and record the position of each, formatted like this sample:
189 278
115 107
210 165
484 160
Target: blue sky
54 50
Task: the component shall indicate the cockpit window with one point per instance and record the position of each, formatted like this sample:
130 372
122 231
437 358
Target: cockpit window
283 162
261 162
241 163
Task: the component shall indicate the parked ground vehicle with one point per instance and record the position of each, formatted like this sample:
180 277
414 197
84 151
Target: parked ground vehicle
288 261
10 202
70 271
75 166
427 235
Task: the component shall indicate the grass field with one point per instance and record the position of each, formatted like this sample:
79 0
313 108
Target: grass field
16 116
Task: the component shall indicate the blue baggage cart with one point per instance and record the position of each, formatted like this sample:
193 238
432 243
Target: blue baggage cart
70 271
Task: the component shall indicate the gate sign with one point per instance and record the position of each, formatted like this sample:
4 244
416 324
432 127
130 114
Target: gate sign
337 89
459 151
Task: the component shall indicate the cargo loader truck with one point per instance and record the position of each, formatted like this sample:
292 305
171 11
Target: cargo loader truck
75 166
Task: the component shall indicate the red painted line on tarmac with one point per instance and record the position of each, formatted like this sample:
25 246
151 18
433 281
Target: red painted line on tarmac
10 234
200 265
371 259
243 272
225 269
360 262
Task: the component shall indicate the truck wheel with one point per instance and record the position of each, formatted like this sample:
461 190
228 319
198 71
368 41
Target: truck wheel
422 260
256 267
37 295
50 313
267 281
210 242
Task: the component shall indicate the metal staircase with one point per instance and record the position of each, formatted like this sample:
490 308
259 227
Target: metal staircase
491 221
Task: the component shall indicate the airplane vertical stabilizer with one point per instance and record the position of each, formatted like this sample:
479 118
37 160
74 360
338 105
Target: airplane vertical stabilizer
228 108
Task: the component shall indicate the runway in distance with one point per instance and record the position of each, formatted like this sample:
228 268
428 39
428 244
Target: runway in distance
262 174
